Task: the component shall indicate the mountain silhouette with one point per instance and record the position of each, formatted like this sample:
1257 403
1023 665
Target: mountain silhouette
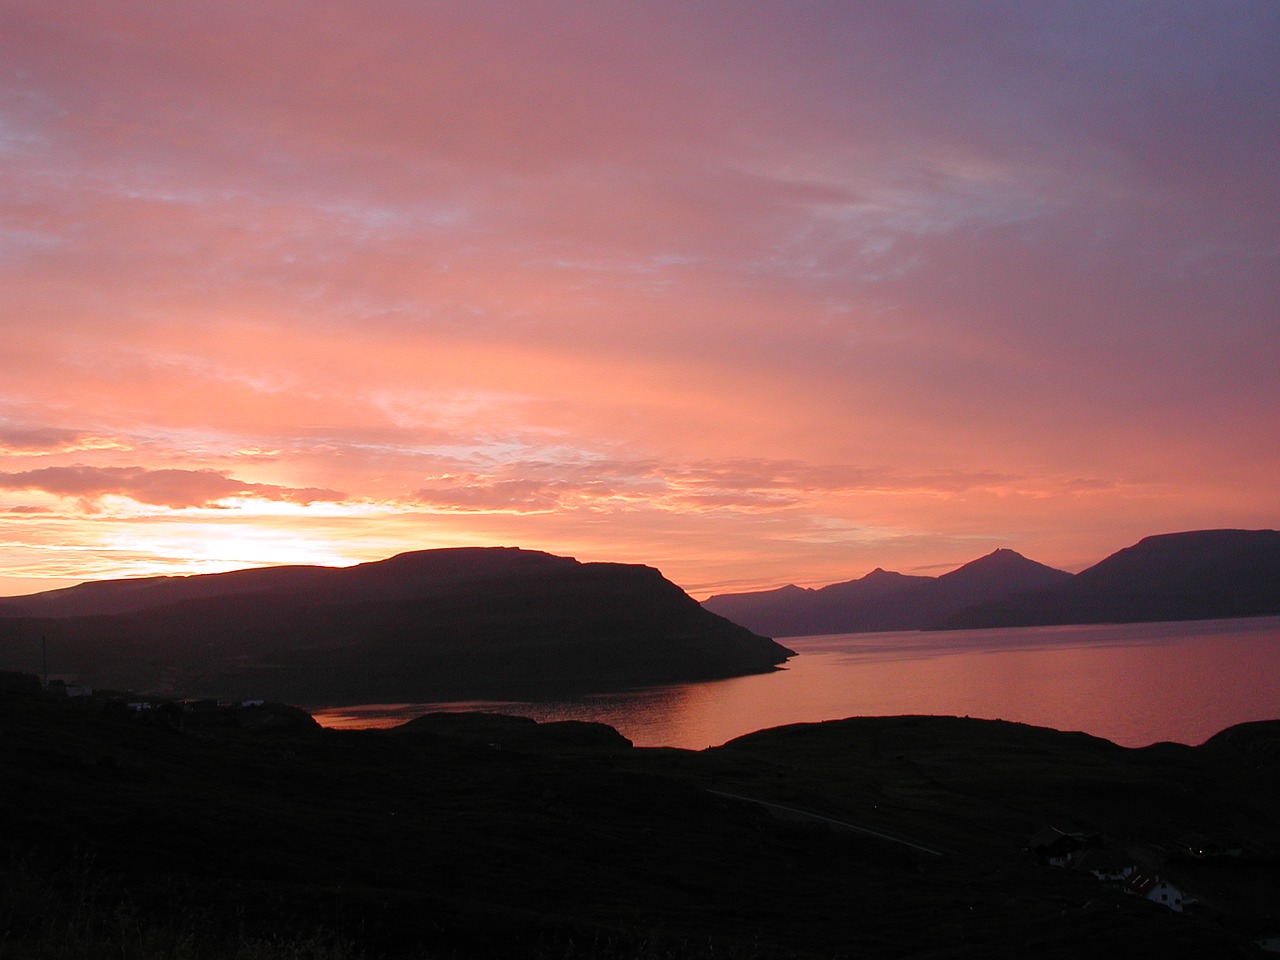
460 623
883 600
1196 575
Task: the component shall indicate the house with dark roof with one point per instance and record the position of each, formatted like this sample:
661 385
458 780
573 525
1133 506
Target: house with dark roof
1150 886
1057 847
1106 865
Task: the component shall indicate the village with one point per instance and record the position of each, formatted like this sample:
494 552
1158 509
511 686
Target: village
176 711
1154 872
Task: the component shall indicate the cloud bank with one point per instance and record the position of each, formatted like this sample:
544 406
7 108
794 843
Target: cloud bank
167 488
751 292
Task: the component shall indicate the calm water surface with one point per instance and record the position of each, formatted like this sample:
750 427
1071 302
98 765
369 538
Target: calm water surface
1134 684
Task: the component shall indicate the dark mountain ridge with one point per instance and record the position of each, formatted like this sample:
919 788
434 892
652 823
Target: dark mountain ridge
436 624
404 576
108 597
883 600
1195 575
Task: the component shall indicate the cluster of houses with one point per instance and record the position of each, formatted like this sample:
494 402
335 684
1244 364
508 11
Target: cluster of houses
193 705
1084 851
61 689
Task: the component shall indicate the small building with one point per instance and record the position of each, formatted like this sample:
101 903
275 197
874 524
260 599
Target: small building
1106 865
1057 847
1202 847
1152 887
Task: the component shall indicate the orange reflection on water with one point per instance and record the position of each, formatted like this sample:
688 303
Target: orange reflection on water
1134 684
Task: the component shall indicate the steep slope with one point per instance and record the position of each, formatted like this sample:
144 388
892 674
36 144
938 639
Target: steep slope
883 600
997 573
1197 575
474 622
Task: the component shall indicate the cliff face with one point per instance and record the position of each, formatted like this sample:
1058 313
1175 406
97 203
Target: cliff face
438 624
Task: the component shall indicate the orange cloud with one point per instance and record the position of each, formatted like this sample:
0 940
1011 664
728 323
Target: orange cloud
759 292
162 487
44 441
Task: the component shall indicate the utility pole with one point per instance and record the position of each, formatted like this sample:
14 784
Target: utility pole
44 655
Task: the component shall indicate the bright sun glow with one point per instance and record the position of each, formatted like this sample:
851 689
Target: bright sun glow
720 301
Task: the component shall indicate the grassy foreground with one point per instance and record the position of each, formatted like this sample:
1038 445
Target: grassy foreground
257 834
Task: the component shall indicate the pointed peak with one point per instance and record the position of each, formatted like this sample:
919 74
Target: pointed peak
1006 564
1002 553
1000 556
879 573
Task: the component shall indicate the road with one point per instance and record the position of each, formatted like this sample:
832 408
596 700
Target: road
783 812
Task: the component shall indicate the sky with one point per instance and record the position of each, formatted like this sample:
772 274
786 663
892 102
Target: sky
754 293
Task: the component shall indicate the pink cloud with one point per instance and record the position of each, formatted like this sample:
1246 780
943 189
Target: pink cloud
168 488
760 277
18 441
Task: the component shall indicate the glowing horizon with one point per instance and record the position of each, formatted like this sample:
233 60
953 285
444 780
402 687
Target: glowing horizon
753 295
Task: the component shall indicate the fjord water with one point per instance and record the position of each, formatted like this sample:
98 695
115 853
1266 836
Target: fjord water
1134 684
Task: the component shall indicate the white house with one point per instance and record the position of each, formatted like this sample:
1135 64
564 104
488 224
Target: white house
1157 890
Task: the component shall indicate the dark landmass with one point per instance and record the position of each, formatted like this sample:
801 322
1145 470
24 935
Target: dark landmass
1199 575
254 832
883 601
430 625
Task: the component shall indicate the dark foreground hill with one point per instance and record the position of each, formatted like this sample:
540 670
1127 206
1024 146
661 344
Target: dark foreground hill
255 833
436 624
1198 575
883 600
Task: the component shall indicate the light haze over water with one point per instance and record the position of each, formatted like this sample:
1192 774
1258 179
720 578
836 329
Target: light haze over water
1134 684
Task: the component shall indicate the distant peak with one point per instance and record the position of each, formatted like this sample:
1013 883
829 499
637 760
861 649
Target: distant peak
880 573
1003 553
1004 565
